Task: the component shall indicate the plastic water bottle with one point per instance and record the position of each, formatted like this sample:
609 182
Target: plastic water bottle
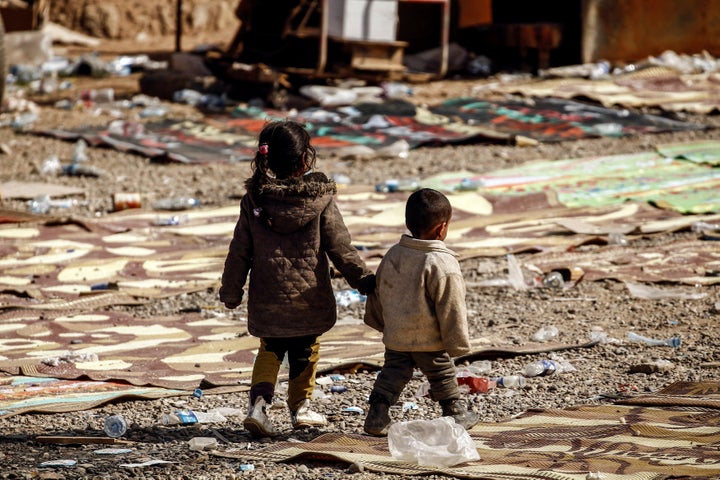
511 381
394 185
540 368
553 280
115 426
79 151
175 203
669 342
545 334
189 417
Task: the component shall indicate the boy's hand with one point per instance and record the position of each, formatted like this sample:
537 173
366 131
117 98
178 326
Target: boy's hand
367 284
231 306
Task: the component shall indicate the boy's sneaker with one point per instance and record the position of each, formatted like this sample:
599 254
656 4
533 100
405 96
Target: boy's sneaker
458 410
304 417
257 421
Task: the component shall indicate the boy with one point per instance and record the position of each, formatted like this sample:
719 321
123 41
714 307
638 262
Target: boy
419 306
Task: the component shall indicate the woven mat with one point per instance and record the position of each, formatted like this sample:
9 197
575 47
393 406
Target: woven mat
632 442
51 395
661 87
182 351
373 129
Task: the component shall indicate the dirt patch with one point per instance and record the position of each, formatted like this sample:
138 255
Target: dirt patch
122 19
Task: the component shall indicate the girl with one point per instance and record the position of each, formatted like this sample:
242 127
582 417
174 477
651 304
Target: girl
288 231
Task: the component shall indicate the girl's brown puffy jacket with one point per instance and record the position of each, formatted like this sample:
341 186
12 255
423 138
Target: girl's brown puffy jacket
287 233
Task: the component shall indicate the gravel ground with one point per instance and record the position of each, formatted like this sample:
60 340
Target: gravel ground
510 316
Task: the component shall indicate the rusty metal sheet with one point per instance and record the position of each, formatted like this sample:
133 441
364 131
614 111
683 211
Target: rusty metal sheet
630 30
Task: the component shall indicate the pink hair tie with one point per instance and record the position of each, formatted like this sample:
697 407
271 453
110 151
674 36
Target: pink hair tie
263 148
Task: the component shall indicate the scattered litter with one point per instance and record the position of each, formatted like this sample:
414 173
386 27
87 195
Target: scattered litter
59 463
70 357
658 366
357 410
423 390
197 393
112 451
175 203
79 152
669 342
247 467
479 367
639 290
511 381
439 442
474 384
72 440
545 334
409 406
615 238
115 426
199 444
515 275
398 185
598 335
553 280
51 166
345 298
189 417
148 463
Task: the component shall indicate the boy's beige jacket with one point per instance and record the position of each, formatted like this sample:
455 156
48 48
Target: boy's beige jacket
419 301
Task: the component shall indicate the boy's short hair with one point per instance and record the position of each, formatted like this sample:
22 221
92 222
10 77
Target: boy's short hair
425 209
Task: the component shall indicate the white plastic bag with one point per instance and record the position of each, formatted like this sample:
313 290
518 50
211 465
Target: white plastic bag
436 443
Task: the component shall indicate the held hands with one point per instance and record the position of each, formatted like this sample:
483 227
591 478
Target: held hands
366 285
231 306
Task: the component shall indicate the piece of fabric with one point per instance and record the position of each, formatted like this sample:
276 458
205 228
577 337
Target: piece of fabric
288 233
421 298
662 436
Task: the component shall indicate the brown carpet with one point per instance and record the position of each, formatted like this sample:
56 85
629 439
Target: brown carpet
51 395
674 438
181 351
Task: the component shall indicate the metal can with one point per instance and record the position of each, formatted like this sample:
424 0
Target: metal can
115 426
123 201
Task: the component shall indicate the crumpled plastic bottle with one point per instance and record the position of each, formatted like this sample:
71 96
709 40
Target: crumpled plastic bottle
540 368
175 203
545 334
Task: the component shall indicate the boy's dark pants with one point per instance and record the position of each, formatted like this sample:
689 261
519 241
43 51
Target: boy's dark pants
397 371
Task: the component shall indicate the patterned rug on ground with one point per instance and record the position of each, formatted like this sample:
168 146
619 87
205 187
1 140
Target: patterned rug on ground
683 177
20 394
664 435
184 351
375 129
661 87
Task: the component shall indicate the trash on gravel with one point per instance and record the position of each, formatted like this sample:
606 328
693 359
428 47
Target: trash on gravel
199 444
59 463
667 342
112 451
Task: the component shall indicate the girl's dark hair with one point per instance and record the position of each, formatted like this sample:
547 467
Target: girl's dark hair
284 149
425 210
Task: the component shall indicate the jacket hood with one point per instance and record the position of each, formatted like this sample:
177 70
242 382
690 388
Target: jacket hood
290 204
